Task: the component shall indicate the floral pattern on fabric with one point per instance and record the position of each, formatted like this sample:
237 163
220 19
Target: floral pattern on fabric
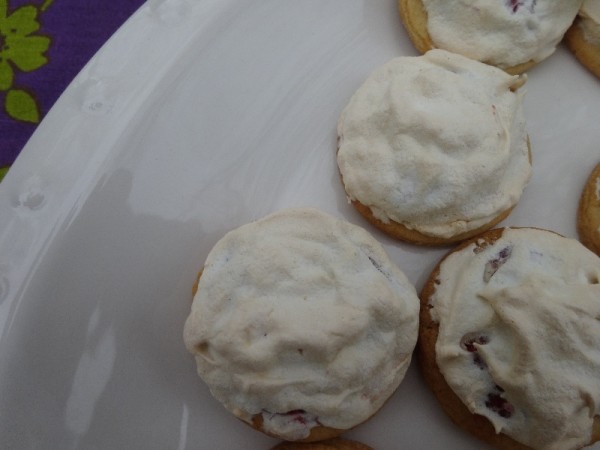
22 49
44 44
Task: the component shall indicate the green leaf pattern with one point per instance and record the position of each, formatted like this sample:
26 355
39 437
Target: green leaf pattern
21 49
22 106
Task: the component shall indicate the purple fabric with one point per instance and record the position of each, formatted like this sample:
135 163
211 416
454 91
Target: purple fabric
76 29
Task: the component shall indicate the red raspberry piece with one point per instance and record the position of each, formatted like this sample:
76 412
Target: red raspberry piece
499 405
469 340
514 5
468 343
493 265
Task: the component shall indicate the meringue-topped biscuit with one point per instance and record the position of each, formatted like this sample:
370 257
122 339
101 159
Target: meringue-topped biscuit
583 38
433 149
510 337
511 34
588 213
301 325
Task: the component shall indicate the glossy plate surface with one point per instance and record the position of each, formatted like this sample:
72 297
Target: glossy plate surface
197 117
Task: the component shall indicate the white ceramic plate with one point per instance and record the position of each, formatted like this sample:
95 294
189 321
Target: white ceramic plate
196 117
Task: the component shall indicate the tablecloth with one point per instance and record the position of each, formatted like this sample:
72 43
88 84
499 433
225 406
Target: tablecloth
43 45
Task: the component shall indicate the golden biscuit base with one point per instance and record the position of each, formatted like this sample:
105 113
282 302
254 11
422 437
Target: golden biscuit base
331 444
586 52
414 18
318 433
477 425
196 283
399 231
588 213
